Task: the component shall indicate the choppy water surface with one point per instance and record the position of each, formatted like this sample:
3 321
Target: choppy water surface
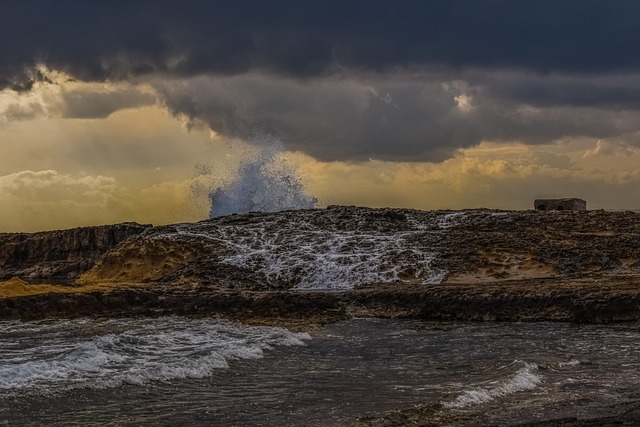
180 371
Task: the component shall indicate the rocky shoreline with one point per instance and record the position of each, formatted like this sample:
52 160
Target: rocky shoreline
477 265
540 300
623 415
473 265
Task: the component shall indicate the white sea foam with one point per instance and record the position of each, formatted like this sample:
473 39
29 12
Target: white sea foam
134 352
298 251
570 363
526 378
310 259
313 258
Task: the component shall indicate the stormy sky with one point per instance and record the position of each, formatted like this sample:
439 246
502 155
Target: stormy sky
134 110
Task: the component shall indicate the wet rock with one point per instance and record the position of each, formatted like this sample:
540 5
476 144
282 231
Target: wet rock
449 265
535 300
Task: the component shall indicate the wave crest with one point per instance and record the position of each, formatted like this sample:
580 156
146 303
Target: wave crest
526 378
128 351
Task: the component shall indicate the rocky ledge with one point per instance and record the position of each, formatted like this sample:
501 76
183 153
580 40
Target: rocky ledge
339 262
62 255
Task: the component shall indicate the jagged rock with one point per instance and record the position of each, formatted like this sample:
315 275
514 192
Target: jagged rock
345 247
60 255
339 247
535 300
475 264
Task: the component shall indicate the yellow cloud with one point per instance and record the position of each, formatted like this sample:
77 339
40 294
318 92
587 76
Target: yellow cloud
509 178
41 200
490 175
140 164
608 148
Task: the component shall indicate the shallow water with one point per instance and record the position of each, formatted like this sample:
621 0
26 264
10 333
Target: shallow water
180 371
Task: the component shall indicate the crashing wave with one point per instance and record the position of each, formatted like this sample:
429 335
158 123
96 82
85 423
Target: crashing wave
132 351
268 183
526 378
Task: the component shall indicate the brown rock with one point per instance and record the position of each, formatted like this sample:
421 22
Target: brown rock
60 255
490 265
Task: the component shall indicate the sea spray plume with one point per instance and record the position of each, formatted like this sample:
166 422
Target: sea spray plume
267 183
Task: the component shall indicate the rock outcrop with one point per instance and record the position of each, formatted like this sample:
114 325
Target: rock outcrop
547 300
62 255
347 247
341 262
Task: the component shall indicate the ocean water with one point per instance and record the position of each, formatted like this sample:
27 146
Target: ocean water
182 371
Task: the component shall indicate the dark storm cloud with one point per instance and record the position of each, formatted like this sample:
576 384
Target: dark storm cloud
91 105
347 80
328 119
608 91
117 39
410 120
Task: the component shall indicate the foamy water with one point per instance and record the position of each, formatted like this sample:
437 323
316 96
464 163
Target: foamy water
126 351
180 371
177 371
526 378
314 258
309 257
297 251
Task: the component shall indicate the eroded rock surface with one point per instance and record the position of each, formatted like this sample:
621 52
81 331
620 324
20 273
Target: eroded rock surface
348 261
345 247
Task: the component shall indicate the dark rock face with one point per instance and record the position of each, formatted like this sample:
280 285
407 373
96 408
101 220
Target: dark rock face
565 301
60 255
489 246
